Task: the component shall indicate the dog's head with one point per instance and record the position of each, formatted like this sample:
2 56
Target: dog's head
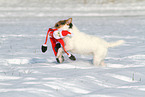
64 24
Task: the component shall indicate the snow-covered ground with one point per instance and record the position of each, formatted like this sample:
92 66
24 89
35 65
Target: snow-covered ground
45 8
26 72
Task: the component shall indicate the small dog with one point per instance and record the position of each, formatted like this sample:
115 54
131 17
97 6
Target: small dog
82 43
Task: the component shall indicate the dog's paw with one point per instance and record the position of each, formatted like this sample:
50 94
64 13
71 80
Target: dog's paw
57 60
60 60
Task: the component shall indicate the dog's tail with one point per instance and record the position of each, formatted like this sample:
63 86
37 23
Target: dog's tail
117 43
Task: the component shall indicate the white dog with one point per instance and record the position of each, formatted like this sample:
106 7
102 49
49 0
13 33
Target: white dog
82 43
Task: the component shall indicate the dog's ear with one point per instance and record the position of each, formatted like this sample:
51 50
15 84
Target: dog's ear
68 21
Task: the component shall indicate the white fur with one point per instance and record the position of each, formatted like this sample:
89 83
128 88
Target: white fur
82 43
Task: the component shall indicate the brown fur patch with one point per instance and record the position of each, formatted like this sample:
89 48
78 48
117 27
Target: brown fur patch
61 23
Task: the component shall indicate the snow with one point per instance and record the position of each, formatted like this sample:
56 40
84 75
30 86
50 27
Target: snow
26 71
45 8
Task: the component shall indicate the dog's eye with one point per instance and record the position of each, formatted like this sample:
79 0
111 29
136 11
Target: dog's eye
56 25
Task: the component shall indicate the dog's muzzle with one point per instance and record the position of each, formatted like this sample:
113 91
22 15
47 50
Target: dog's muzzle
70 26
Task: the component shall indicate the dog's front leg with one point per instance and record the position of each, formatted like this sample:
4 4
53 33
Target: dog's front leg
60 52
59 55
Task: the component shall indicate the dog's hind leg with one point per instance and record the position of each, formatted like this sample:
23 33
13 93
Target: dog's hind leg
97 60
99 57
102 63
